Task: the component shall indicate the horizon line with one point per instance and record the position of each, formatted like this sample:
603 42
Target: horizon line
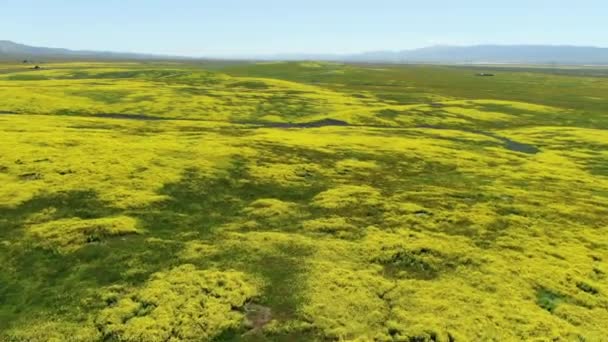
290 54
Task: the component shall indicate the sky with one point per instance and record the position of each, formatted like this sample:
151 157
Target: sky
229 28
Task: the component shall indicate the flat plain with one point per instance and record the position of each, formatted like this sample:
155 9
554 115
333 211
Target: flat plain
302 202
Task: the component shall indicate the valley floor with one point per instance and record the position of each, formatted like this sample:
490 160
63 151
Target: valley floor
301 201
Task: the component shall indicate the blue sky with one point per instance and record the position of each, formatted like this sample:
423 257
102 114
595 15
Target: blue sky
250 27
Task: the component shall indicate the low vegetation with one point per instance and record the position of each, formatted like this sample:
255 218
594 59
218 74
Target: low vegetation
187 202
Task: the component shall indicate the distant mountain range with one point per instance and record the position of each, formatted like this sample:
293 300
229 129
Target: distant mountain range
516 54
12 50
479 54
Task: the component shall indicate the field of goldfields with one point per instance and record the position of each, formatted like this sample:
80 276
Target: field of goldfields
302 202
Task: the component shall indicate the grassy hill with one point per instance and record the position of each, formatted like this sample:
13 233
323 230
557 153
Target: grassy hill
302 202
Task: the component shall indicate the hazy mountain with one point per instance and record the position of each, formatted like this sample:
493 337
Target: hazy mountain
12 50
494 54
522 54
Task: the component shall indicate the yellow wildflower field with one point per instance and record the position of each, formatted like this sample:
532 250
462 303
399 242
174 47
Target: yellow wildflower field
300 202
